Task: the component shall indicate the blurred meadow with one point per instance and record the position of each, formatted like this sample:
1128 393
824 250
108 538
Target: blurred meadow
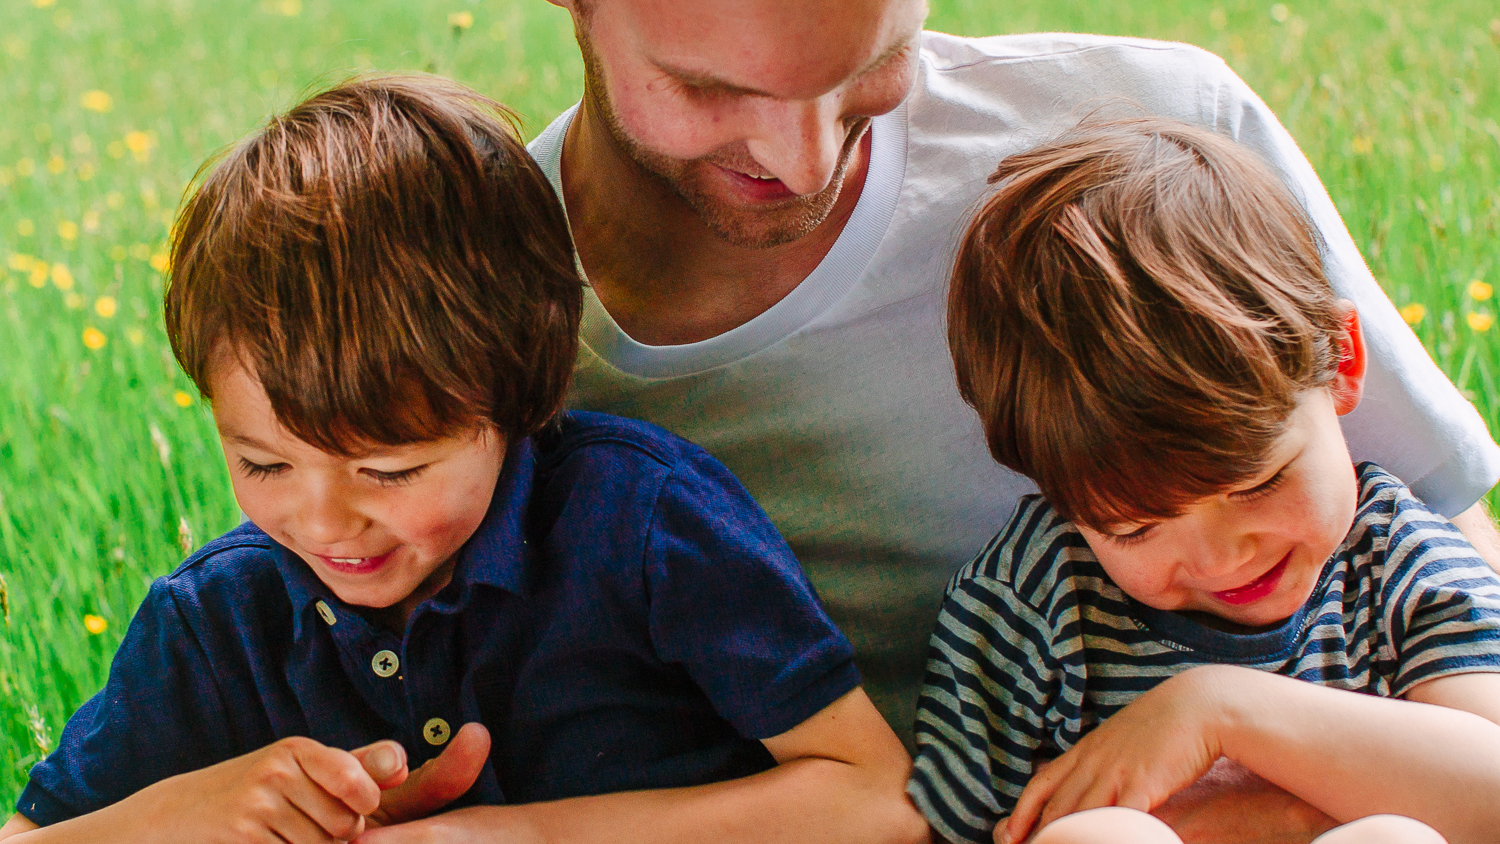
109 469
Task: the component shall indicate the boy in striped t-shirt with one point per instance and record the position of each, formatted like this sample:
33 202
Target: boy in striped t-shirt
1141 318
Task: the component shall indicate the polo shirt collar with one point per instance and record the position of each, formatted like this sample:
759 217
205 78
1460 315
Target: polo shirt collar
496 555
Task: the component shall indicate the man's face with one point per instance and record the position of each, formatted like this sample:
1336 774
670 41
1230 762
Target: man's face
749 110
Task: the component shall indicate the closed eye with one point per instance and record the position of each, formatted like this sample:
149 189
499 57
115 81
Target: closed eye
1261 490
1133 536
401 478
257 470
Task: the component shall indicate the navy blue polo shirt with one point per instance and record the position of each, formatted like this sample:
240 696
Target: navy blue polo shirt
625 617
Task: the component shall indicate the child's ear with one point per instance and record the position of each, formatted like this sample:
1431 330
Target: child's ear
1349 381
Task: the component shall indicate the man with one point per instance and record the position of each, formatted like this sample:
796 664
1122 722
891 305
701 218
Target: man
765 195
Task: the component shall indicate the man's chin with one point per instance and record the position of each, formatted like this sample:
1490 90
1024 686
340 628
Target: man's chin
762 228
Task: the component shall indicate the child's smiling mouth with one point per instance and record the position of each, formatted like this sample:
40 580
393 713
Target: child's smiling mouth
1257 588
356 565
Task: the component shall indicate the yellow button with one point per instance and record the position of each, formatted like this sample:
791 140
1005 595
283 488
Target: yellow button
385 663
326 613
436 731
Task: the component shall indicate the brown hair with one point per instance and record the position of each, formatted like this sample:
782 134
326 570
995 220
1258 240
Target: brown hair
1135 313
389 262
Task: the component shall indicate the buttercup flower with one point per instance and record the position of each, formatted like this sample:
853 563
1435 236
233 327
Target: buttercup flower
97 101
1414 313
159 262
62 277
94 624
94 339
182 399
106 306
139 144
67 230
1480 291
461 20
1481 322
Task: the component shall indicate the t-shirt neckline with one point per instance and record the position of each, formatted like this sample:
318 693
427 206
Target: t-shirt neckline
828 283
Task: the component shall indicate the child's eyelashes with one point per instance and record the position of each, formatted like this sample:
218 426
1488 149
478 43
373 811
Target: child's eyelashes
1133 536
257 470
401 478
391 479
1261 490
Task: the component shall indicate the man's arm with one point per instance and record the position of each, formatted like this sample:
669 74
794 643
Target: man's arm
840 778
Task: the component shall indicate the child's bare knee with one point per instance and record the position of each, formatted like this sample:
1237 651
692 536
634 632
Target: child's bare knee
1113 825
1382 829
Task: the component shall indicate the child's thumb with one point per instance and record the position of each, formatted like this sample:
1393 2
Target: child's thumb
384 761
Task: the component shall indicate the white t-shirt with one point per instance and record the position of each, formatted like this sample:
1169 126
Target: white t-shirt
837 407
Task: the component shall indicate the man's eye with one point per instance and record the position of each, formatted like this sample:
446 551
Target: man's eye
401 478
256 470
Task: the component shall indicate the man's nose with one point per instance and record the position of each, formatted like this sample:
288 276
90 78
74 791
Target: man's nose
799 142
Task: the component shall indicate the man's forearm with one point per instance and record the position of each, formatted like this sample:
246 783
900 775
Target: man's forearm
1479 528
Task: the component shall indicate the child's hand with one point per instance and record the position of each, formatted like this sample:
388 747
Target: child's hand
295 791
1159 744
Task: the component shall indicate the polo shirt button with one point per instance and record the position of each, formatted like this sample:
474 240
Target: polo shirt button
325 613
385 663
436 731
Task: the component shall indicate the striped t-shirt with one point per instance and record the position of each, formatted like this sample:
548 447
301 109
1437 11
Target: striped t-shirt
1036 646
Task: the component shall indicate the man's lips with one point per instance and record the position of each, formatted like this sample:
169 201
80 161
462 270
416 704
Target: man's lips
356 565
756 190
1258 588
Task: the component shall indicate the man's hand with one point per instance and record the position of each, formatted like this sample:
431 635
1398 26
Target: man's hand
1231 805
438 782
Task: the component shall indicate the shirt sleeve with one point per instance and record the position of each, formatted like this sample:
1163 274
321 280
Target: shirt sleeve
730 603
1441 600
1411 420
993 679
158 715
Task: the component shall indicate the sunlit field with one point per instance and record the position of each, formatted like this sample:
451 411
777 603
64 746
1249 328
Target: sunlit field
109 471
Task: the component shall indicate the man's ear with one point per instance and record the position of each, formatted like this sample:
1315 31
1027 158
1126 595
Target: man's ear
1349 381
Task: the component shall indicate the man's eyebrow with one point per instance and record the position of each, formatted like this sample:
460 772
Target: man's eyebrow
702 79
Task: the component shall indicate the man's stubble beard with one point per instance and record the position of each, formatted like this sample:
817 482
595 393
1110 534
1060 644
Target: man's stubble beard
788 221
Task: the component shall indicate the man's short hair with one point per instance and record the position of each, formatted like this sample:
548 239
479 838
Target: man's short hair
1135 313
388 261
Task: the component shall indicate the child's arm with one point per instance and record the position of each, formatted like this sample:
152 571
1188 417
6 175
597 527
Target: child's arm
839 778
293 791
1349 754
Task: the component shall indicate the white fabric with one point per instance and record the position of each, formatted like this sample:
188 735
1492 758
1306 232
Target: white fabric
837 407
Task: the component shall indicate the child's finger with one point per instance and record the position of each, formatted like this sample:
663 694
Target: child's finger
340 776
384 761
1033 799
296 827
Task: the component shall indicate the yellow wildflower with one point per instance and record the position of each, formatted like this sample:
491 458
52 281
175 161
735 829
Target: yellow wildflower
1481 322
140 252
97 101
1280 13
42 4
20 263
91 221
1414 313
135 336
159 262
67 230
93 338
94 624
25 228
289 8
38 274
73 300
139 144
106 306
62 277
182 399
56 165
1480 291
460 20
85 171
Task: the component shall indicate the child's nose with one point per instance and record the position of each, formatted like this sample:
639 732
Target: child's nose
327 520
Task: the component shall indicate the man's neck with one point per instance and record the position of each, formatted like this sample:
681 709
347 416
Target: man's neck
664 276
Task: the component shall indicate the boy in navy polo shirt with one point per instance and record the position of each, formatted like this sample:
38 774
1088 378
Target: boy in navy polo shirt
377 295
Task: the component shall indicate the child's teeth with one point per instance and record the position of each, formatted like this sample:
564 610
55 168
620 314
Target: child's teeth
347 559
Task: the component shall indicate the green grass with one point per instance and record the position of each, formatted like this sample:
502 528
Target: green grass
105 479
